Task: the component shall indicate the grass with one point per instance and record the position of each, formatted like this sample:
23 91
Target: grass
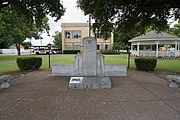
170 66
8 63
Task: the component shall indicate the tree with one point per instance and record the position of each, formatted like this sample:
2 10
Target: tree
27 44
3 44
28 18
116 46
130 15
35 10
124 37
175 30
15 27
57 38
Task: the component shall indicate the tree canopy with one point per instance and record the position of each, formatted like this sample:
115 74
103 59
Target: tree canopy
21 19
35 10
57 39
175 30
130 15
14 28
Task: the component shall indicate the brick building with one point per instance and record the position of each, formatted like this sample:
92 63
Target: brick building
73 34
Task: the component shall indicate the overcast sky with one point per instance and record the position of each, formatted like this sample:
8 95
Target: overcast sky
72 14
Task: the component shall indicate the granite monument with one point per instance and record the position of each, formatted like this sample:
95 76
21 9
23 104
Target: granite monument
89 70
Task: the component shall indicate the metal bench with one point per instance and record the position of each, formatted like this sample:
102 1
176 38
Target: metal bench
174 79
5 81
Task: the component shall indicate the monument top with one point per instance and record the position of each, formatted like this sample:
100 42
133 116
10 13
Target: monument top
89 56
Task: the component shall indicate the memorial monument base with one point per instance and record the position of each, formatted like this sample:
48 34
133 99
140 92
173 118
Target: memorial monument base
89 70
90 82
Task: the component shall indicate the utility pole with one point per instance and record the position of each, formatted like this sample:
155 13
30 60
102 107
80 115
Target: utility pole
89 24
89 19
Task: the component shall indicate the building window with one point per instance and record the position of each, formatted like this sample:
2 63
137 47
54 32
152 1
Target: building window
77 46
97 35
68 34
68 47
76 34
72 34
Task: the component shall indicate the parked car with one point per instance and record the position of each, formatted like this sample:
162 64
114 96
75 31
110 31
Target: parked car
56 51
41 51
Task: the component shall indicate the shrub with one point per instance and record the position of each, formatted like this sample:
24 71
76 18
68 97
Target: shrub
29 63
71 51
109 52
147 64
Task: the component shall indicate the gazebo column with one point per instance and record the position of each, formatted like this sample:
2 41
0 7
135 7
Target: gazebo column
138 48
157 46
131 47
132 52
176 50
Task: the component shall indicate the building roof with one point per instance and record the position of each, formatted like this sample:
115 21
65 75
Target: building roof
75 24
153 35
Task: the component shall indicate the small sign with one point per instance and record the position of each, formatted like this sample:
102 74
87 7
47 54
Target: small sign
76 79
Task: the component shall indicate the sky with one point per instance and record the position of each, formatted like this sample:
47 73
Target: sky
72 14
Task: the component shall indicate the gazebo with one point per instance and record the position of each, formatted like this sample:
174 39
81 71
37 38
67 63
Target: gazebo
155 44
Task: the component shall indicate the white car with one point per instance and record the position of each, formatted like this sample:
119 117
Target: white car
41 51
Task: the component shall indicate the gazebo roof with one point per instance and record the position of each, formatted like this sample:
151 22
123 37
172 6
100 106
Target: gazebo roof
153 35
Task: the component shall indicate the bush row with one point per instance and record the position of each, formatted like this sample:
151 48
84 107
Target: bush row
109 52
29 63
71 51
147 64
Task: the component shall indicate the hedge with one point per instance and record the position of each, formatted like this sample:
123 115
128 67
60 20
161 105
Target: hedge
147 64
107 52
71 51
29 63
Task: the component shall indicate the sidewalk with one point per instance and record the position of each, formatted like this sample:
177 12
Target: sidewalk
139 96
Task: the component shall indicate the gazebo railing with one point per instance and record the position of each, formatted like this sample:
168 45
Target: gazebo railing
148 53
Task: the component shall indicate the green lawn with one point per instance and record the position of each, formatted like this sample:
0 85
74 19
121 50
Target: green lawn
8 63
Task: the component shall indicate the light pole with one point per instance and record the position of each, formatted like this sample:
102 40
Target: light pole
49 48
89 25
90 3
129 53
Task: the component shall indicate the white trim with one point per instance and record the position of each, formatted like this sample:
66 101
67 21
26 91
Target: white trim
154 39
175 50
138 48
157 46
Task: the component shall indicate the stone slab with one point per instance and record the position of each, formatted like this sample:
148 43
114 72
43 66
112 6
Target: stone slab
78 64
63 70
173 78
100 65
5 84
89 82
115 70
89 56
69 70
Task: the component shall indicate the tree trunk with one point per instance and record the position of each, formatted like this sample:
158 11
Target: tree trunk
18 49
